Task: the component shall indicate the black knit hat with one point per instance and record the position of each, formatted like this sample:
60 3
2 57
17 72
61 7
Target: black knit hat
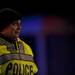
7 16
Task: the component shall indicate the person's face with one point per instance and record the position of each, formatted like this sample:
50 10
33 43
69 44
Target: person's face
13 30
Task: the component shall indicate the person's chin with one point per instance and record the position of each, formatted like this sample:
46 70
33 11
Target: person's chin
17 36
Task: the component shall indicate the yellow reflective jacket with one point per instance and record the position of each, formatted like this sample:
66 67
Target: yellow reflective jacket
16 61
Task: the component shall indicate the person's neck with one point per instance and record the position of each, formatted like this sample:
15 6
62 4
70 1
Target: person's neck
12 40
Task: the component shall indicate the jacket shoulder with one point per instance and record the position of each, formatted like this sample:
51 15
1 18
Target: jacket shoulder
27 48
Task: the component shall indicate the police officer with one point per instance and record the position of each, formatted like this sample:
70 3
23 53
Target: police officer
16 57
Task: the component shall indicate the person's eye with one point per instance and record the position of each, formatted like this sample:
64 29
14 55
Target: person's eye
14 23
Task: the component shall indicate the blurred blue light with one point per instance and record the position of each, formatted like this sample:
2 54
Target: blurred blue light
31 25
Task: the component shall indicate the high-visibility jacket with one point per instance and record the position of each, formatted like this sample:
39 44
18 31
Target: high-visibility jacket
16 61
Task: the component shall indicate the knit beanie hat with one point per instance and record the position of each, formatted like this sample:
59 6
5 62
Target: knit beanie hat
7 16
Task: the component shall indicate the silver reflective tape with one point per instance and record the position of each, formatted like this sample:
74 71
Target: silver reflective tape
20 47
3 41
5 58
10 46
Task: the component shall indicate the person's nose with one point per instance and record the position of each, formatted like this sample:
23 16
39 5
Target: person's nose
18 27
